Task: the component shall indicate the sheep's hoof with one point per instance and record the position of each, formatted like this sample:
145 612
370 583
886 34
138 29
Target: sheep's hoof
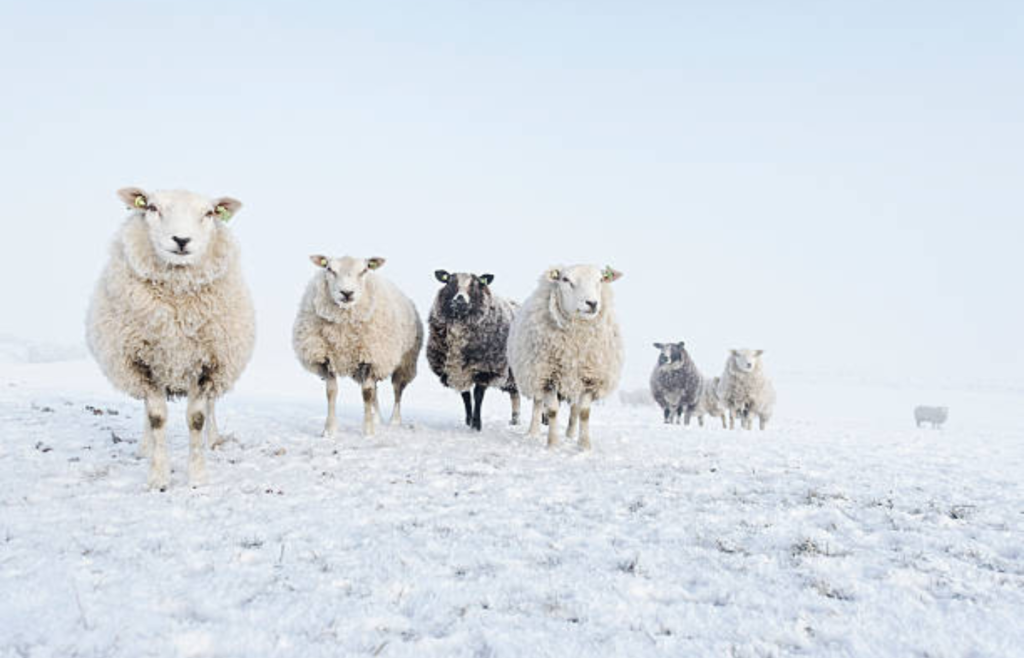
329 431
159 479
197 477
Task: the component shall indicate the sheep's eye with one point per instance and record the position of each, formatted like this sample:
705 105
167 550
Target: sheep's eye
209 213
151 208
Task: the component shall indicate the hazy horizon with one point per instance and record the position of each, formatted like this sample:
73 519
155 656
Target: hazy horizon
837 185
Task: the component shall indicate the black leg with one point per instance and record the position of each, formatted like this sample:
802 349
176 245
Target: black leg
668 414
478 399
467 400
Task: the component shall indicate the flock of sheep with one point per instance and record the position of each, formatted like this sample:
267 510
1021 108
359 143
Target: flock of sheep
172 317
742 392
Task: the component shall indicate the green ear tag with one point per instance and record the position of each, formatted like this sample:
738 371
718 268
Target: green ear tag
223 213
140 201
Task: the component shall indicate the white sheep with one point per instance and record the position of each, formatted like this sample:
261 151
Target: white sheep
355 323
709 403
745 390
936 416
171 316
565 343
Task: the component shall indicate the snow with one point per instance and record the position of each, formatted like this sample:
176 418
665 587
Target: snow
841 531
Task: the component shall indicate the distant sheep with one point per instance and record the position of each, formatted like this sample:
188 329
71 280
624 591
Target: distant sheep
467 341
745 389
171 316
675 382
709 402
636 397
352 322
565 343
936 416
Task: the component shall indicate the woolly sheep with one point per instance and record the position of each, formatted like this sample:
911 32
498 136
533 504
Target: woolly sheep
675 382
935 416
466 345
355 323
565 342
171 316
709 403
745 390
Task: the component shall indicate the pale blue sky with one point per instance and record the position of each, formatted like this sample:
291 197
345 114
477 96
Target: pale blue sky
838 183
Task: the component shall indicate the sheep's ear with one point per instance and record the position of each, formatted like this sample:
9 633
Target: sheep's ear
734 352
758 352
375 263
319 261
554 274
134 197
226 207
681 344
610 275
442 275
487 279
658 346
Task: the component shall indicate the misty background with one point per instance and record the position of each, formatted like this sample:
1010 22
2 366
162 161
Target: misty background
837 183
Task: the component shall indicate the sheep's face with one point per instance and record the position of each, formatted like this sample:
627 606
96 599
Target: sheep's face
670 352
464 295
181 224
579 289
746 360
345 278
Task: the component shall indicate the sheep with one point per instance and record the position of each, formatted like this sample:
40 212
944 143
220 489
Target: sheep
466 346
936 416
675 382
745 390
565 343
171 316
709 402
355 323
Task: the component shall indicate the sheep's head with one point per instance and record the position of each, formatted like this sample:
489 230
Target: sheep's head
670 352
579 289
463 295
746 360
346 277
181 224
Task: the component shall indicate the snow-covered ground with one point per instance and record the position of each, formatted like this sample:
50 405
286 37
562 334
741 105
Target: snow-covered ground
843 530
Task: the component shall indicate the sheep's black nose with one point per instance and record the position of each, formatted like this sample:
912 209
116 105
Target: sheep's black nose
181 242
346 295
592 306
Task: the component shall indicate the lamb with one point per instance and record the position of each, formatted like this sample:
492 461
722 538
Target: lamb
171 316
355 323
745 390
675 382
466 347
709 402
565 343
936 416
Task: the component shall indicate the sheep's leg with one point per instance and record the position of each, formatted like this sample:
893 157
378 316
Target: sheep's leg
213 435
700 420
686 417
467 402
535 415
574 419
159 466
331 424
396 412
762 421
146 444
369 400
376 404
668 415
732 420
551 407
724 424
514 395
584 412
196 417
478 402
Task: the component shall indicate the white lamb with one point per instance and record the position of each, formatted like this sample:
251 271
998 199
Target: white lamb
745 390
171 316
709 403
565 344
355 323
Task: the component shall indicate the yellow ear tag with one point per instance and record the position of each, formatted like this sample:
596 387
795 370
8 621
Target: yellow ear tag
140 201
223 213
323 262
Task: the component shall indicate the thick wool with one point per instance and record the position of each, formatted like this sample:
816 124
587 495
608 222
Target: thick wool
379 337
709 403
465 350
155 327
746 394
549 349
676 384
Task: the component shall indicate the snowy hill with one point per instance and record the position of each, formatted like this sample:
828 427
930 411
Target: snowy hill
829 534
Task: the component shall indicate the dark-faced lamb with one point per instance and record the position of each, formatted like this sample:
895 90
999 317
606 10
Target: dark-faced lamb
675 382
466 344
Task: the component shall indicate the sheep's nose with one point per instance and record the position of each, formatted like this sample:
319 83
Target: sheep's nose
181 242
592 306
346 295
